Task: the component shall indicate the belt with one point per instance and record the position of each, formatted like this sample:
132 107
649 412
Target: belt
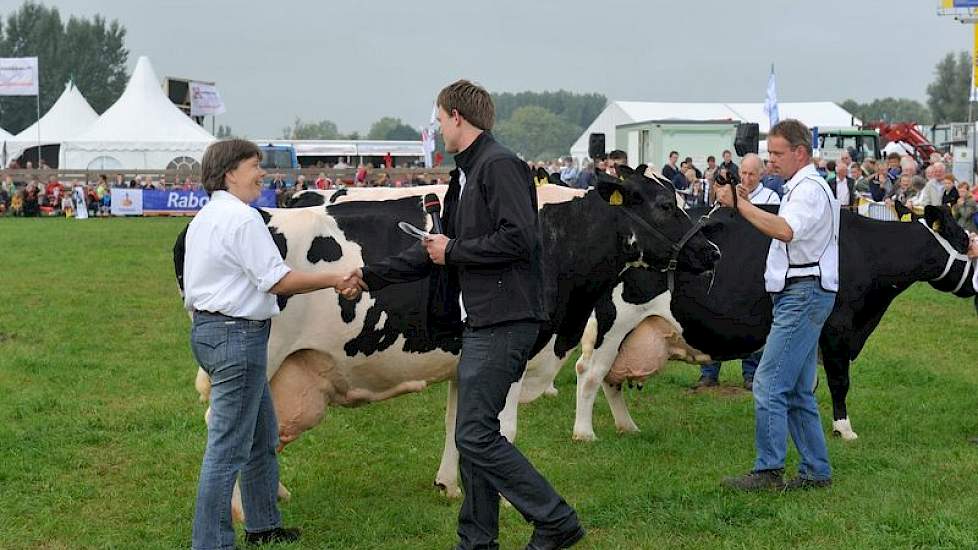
802 278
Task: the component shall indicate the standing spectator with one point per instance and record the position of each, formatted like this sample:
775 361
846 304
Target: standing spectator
966 208
902 193
690 165
830 172
569 172
860 181
341 164
950 195
670 170
880 185
843 187
711 168
933 191
729 164
697 195
586 177
360 180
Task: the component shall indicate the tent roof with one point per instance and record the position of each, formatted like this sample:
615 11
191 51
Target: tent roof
5 135
143 114
69 116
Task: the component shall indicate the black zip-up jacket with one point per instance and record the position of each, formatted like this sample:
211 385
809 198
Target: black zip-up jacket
494 255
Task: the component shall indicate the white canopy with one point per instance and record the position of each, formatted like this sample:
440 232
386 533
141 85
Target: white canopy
814 113
142 130
68 117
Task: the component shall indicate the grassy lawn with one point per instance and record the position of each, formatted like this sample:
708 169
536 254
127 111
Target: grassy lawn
101 433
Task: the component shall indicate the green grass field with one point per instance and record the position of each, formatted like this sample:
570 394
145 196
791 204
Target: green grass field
101 433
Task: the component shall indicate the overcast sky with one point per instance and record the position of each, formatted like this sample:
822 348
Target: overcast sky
355 61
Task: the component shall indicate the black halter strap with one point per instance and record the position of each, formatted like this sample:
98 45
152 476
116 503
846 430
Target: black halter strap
676 247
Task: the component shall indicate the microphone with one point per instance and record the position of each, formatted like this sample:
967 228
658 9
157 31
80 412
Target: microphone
433 206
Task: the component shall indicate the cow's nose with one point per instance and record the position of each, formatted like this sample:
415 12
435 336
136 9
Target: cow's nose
714 255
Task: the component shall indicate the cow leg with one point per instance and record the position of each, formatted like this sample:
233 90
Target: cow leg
837 374
507 416
203 385
591 371
619 409
447 477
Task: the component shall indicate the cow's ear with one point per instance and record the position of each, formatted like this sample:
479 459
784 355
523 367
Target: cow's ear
932 215
616 192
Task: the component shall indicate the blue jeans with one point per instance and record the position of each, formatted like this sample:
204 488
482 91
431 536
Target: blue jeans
748 365
242 433
489 465
784 385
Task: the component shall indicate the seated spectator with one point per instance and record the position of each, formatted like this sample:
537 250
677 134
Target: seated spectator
4 201
31 205
68 205
17 204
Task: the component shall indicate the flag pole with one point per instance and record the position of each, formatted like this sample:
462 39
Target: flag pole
39 125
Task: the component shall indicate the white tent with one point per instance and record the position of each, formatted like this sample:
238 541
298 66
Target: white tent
819 113
70 116
142 130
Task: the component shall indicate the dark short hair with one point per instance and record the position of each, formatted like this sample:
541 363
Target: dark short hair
711 157
794 132
601 156
893 156
830 166
727 152
223 156
617 155
471 101
671 153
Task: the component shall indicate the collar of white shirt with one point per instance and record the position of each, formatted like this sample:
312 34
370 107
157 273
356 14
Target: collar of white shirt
224 196
804 172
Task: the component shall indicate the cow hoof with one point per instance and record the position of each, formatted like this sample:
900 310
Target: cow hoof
283 494
551 391
628 429
584 436
842 428
450 492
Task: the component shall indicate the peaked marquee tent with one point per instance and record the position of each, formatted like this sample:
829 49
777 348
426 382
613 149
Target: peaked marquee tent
68 117
142 130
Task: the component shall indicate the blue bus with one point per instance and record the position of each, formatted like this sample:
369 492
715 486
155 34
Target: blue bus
279 159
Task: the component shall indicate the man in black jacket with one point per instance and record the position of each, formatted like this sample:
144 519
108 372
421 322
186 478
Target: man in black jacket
491 252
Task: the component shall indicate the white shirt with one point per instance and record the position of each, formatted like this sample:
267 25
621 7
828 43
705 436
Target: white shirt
842 191
231 261
763 195
932 194
813 214
461 187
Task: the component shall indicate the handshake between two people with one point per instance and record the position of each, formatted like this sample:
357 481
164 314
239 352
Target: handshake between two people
350 284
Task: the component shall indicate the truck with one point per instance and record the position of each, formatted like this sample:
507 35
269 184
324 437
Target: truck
279 159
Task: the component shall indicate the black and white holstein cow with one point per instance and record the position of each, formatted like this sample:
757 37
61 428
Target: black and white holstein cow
324 350
629 336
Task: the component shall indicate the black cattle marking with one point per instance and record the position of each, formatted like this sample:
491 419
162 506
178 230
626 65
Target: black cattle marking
179 255
348 309
283 249
338 194
324 249
305 200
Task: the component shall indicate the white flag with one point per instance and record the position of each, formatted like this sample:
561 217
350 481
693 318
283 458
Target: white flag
428 137
18 76
771 101
205 100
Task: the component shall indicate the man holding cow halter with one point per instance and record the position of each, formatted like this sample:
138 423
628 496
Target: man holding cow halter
802 274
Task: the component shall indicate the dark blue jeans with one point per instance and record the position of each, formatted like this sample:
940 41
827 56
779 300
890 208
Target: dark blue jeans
748 366
492 359
784 385
242 432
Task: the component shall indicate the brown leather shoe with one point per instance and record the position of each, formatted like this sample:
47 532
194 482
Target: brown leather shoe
804 483
761 480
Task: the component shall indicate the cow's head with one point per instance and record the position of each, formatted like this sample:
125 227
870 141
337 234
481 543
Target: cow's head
651 223
957 278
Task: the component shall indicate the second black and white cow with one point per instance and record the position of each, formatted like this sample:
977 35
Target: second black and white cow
632 333
326 351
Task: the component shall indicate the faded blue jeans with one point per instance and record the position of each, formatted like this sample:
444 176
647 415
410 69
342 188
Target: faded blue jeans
242 433
784 384
748 365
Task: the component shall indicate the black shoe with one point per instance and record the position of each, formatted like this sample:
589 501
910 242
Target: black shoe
804 483
274 536
563 540
706 382
749 384
762 480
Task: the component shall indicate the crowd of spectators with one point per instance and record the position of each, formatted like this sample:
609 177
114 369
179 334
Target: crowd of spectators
895 178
